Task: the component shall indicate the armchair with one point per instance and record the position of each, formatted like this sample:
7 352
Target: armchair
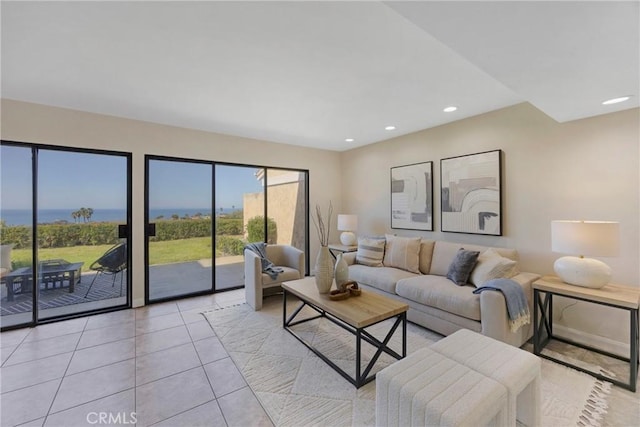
257 283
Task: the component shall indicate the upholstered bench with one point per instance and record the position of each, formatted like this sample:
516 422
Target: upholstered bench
429 389
515 369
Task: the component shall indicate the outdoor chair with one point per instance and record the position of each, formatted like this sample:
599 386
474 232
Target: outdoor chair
257 283
112 262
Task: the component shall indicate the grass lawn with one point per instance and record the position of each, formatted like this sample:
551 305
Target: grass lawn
159 252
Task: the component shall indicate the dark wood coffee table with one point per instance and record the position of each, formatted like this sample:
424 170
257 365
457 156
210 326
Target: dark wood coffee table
354 314
52 273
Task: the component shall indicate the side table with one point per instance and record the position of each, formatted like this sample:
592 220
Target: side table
617 296
341 249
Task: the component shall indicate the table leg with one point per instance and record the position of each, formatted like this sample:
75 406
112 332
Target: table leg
9 288
633 356
72 281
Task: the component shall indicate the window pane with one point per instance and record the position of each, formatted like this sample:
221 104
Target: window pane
16 249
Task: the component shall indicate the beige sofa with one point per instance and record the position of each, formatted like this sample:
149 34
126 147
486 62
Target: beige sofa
437 303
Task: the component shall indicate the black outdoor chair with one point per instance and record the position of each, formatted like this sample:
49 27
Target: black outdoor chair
113 261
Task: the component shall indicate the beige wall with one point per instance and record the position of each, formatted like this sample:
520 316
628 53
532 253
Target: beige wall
34 123
585 169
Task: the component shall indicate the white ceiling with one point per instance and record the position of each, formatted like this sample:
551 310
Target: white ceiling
315 73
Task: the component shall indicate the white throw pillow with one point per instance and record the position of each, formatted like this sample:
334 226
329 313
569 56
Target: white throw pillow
370 252
491 265
403 253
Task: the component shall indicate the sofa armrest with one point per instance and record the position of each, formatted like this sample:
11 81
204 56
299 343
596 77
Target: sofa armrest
252 279
494 316
349 257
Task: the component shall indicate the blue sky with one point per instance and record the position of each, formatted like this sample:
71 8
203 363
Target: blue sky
99 181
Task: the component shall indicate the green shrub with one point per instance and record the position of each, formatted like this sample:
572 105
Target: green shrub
255 229
229 226
226 245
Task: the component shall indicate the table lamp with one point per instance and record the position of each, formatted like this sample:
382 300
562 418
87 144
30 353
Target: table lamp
591 238
348 224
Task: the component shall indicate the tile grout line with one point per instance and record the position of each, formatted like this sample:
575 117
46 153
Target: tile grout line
215 397
64 374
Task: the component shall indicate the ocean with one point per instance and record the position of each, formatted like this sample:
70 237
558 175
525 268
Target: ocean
48 216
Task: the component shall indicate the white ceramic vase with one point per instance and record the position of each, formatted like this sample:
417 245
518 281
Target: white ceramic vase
341 272
324 270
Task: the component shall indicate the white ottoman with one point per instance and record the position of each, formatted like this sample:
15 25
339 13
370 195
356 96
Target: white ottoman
429 389
516 369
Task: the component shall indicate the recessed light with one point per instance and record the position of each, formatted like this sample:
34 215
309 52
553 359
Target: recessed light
349 140
615 100
389 128
450 109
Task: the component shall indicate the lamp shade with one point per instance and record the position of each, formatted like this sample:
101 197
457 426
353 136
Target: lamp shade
590 238
347 222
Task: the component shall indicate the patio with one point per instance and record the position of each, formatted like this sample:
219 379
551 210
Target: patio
166 280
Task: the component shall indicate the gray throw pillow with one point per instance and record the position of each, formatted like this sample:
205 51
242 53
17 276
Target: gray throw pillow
461 266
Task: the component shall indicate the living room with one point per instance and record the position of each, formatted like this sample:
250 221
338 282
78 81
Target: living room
583 168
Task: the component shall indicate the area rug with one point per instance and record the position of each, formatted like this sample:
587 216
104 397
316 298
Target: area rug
296 388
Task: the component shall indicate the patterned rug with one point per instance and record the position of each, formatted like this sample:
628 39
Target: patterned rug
297 388
60 297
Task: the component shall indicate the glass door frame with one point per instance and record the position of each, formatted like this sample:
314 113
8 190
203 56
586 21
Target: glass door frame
35 148
213 163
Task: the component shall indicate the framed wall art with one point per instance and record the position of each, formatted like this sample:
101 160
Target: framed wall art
471 193
412 196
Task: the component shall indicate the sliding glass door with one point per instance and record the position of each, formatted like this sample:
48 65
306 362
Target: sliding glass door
82 237
239 219
16 235
77 203
201 214
179 228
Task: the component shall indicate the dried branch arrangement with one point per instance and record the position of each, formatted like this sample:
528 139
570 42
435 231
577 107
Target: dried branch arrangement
323 231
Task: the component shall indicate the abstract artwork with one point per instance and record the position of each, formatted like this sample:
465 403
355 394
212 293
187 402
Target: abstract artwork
412 196
471 200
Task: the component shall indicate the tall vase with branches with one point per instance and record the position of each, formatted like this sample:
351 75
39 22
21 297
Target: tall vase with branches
324 266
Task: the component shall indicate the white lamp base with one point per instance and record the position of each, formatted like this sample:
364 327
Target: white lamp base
585 272
348 238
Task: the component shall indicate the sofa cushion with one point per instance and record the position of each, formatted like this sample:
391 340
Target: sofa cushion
383 278
439 292
402 253
444 252
370 251
461 266
492 266
426 252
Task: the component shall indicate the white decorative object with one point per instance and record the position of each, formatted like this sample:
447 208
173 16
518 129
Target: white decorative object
341 271
591 238
348 224
324 270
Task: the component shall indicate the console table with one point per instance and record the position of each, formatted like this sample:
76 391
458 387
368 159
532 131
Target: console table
617 296
341 249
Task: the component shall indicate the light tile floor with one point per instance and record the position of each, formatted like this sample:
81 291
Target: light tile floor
159 365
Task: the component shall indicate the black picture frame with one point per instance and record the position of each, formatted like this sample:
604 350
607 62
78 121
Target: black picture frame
412 196
471 193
